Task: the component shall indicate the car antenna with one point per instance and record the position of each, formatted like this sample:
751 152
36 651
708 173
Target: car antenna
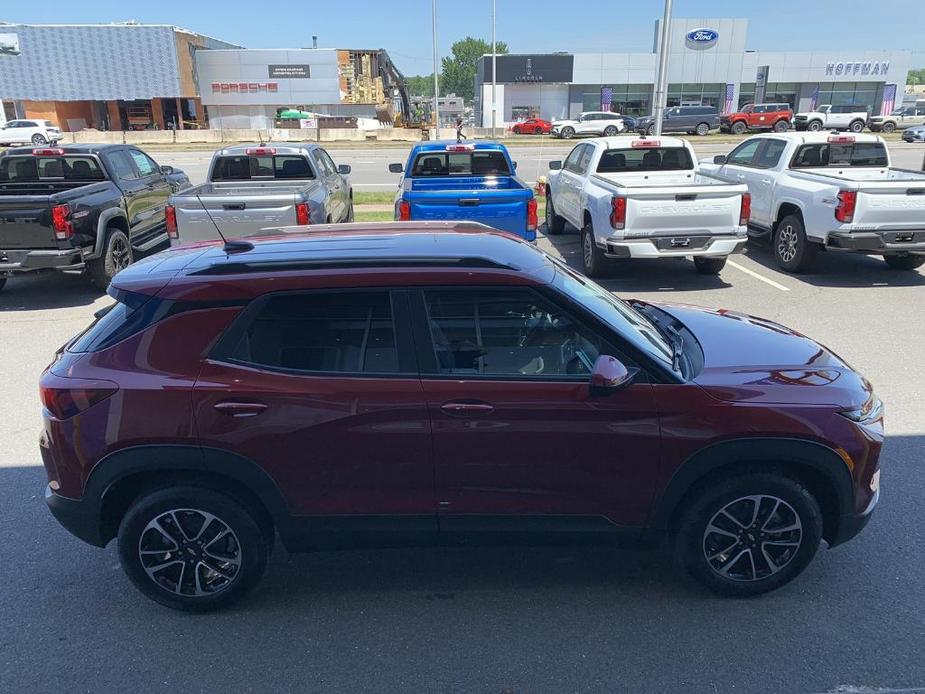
233 246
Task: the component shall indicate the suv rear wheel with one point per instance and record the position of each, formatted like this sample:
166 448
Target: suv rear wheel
739 127
781 126
703 129
897 262
117 255
38 139
568 132
749 533
856 126
610 131
192 548
792 250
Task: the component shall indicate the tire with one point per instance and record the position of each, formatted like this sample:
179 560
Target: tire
568 133
650 131
709 266
739 127
897 262
349 217
856 126
814 126
781 126
38 139
2 283
184 514
763 511
703 129
516 130
555 224
117 255
592 258
793 252
889 127
537 131
610 131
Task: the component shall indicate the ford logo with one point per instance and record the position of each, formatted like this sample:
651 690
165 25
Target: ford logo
698 39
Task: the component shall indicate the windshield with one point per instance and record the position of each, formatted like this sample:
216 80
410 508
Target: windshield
629 323
847 154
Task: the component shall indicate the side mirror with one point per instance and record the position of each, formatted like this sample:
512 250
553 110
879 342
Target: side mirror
610 375
343 169
166 170
719 159
514 163
396 168
555 165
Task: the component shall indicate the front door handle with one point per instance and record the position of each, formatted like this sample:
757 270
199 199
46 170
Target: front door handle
466 409
240 409
766 181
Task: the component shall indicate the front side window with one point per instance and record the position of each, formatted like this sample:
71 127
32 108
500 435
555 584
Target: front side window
571 162
346 332
744 153
144 163
122 166
507 333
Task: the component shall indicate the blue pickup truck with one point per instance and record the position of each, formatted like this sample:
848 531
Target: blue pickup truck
467 182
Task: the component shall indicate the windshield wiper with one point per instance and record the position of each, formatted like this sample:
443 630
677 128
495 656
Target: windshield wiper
666 330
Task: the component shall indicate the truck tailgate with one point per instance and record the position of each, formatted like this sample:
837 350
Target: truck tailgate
499 203
897 205
238 211
25 222
694 209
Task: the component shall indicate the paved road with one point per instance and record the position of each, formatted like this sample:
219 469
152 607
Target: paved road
490 620
371 172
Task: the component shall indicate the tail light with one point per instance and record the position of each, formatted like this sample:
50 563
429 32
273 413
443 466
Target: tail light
460 148
745 210
303 214
645 144
844 211
404 211
841 139
66 397
61 222
170 214
618 213
531 215
260 151
48 152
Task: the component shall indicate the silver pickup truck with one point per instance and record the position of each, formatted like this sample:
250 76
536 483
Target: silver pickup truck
252 187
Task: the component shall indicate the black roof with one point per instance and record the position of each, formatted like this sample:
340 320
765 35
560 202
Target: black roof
68 149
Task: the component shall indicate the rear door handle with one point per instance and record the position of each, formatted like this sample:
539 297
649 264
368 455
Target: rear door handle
466 409
240 409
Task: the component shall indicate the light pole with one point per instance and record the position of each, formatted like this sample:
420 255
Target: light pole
436 84
661 86
494 75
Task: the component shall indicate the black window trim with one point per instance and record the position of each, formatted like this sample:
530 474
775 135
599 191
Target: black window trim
401 321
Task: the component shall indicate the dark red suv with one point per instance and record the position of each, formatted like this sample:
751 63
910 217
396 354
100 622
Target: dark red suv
415 383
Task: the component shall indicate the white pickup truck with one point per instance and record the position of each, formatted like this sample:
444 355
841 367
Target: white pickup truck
639 197
829 117
814 191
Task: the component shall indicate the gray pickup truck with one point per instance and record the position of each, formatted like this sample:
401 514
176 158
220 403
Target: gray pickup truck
252 187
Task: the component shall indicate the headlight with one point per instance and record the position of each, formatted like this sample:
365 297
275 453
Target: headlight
870 411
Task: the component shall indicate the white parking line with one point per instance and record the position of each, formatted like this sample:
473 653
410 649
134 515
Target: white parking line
754 274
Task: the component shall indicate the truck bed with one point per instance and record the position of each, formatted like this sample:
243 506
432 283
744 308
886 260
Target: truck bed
25 210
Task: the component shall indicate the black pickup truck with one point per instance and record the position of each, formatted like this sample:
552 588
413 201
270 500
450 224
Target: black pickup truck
81 208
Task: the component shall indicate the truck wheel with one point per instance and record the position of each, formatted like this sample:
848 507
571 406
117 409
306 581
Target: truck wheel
2 283
592 258
781 126
748 533
568 133
739 127
903 261
792 250
889 127
117 255
610 131
349 217
39 139
703 129
555 224
709 266
814 126
856 126
650 131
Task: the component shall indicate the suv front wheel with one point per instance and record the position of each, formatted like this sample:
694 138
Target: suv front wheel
192 548
749 533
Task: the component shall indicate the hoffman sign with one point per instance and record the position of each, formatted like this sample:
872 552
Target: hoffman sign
858 68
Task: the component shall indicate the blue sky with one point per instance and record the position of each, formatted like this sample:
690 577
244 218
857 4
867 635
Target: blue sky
403 26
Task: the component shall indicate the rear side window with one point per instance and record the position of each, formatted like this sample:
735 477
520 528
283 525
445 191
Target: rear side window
649 159
245 168
847 154
349 332
477 163
31 169
130 314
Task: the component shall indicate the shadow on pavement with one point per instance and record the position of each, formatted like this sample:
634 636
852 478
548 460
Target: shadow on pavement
45 290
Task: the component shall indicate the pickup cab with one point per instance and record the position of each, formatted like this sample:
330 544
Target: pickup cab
641 197
252 187
829 117
465 182
825 191
81 208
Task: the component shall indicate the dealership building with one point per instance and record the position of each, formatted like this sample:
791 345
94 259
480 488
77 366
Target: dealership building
709 64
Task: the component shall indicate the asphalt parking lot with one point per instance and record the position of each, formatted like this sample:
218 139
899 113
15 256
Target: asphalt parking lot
491 620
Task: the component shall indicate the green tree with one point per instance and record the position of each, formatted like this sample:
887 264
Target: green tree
420 85
458 70
916 76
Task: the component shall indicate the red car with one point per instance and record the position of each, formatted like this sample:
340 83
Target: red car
415 383
776 117
533 126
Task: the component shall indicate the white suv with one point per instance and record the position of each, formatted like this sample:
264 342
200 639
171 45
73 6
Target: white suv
599 123
837 117
24 132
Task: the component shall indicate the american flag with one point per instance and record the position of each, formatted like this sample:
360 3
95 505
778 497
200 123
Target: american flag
889 99
730 95
606 98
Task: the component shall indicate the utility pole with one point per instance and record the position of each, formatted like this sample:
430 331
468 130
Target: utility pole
494 75
661 86
436 83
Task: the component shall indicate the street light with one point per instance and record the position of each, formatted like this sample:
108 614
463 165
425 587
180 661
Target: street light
494 76
661 86
436 84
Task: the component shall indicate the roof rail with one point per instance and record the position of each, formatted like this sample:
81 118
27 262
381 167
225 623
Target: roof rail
244 267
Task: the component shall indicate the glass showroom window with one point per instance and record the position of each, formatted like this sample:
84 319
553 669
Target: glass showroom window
696 94
782 93
628 99
746 93
843 93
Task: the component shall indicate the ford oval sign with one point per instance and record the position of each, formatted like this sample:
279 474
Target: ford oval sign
699 39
